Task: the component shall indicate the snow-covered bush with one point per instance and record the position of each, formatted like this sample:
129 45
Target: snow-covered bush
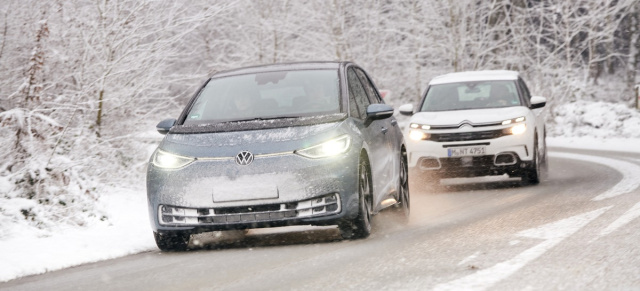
596 119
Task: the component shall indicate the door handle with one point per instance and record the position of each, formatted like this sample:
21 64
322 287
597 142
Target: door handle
384 130
394 122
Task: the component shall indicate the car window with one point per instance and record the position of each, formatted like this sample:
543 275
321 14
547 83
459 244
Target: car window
267 95
357 91
525 92
353 107
471 95
374 97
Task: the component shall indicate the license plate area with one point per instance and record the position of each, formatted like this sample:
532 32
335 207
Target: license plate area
467 151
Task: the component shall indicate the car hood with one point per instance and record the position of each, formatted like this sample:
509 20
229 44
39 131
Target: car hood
475 116
260 141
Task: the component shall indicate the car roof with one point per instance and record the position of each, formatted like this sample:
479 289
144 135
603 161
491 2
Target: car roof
489 75
281 67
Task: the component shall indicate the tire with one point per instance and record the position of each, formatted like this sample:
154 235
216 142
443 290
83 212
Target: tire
544 161
531 176
402 209
360 227
172 241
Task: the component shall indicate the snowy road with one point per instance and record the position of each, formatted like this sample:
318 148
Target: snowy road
577 230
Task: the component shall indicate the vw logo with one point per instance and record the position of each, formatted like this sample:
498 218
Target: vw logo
244 158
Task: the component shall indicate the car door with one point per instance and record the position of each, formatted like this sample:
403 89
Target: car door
374 134
393 133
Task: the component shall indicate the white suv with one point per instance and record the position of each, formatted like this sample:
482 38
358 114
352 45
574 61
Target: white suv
477 124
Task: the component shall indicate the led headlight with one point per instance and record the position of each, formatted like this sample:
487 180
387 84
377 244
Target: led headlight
515 129
326 149
514 120
415 134
167 160
423 126
518 129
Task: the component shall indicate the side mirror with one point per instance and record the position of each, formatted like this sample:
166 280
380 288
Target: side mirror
164 126
379 111
406 109
538 102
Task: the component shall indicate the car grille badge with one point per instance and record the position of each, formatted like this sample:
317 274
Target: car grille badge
244 158
465 124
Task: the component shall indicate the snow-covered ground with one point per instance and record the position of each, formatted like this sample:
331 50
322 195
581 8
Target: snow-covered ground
126 232
28 251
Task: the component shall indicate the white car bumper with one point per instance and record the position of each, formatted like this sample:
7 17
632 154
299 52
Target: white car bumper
475 152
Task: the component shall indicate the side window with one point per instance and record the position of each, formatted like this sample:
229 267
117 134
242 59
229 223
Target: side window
525 92
369 87
356 91
353 107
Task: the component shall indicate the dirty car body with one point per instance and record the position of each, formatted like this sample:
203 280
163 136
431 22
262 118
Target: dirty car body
277 145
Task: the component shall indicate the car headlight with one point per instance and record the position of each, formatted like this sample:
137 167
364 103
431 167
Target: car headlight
167 160
416 134
518 129
515 130
422 126
326 149
514 120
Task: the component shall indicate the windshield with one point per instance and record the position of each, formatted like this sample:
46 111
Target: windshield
471 95
267 96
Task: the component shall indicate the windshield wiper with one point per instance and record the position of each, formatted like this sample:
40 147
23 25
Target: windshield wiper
263 118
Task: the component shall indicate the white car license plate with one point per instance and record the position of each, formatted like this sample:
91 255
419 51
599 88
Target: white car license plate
467 151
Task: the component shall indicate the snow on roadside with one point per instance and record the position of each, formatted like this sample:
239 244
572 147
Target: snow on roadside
631 145
599 119
596 126
126 232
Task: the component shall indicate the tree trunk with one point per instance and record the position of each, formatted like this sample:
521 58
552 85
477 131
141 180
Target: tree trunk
99 117
634 52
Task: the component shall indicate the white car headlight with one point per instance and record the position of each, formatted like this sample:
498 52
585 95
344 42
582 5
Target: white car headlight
167 160
422 126
518 126
415 134
518 129
326 149
514 120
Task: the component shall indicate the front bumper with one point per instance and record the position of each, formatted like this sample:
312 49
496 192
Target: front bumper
274 190
505 154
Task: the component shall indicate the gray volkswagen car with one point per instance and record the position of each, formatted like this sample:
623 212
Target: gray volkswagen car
277 145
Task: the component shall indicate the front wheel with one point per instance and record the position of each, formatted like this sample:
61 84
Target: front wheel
531 175
402 209
172 240
360 227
